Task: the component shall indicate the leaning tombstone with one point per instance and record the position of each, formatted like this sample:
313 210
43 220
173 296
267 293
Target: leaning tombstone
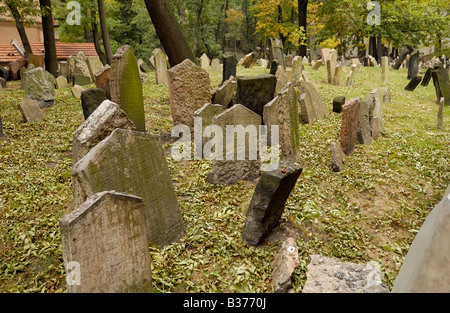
349 126
364 134
133 162
325 52
94 66
337 157
90 100
427 77
254 92
99 125
413 69
30 110
40 86
415 81
105 240
444 83
317 65
337 76
312 106
282 79
268 202
61 82
284 265
297 69
351 76
276 51
161 66
226 94
126 86
331 64
81 74
426 268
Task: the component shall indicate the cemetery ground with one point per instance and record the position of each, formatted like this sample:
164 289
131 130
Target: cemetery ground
370 211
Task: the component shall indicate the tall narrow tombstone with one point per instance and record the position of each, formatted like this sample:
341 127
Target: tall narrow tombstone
276 51
364 134
415 81
30 110
133 162
297 68
325 53
126 86
440 116
426 268
40 86
268 202
351 75
94 65
337 76
160 59
254 92
427 77
312 106
282 79
90 100
437 88
317 65
331 63
215 65
64 69
384 69
204 61
105 240
81 74
189 90
239 160
349 126
444 83
413 69
229 67
2 135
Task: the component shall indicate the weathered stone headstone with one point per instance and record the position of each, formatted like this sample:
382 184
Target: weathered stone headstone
317 65
284 265
94 66
40 86
415 81
282 79
374 102
297 68
61 82
374 122
99 125
276 51
364 134
133 162
189 90
387 95
90 100
263 63
337 75
444 83
349 126
254 92
437 88
106 237
250 59
325 52
15 67
305 76
289 59
440 116
338 102
161 67
384 69
331 64
268 202
426 268
64 69
351 75
427 77
204 61
229 67
215 65
81 74
144 67
103 77
327 275
76 91
413 69
226 94
207 113
283 111
126 86
30 110
337 157
312 106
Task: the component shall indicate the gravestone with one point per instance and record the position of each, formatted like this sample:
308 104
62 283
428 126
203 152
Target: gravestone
215 65
263 63
440 116
276 51
351 75
2 135
325 53
207 113
364 134
426 268
413 69
274 67
427 77
375 130
387 95
229 67
284 265
15 67
204 61
312 106
226 94
189 90
384 69
61 82
94 66
374 103
235 167
437 88
444 83
337 157
282 79
268 202
331 63
415 81
305 77
283 111
297 68
349 126
144 67
40 86
254 92
133 162
30 110
250 59
64 69
337 76
76 91
4 73
103 77
81 74
126 87
338 102
99 125
161 67
317 65
90 100
106 236
289 59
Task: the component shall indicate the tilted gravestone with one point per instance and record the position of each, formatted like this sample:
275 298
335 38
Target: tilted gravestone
312 106
99 125
105 247
282 79
427 77
337 157
226 94
426 268
102 77
289 59
331 63
297 68
133 162
161 66
40 86
440 115
325 53
276 51
338 102
351 75
364 134
413 69
15 66
444 82
415 81
126 86
268 202
254 92
337 75
94 66
251 58
30 110
237 158
284 265
189 90
317 65
229 67
349 126
90 100
283 111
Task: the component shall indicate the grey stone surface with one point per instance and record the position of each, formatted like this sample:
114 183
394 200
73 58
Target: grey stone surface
103 77
426 268
40 86
440 115
30 110
61 82
106 236
384 69
415 81
364 134
133 162
161 67
90 100
387 97
99 125
444 82
276 51
81 67
226 94
317 65
284 265
349 126
337 75
337 157
94 65
215 65
282 79
254 92
204 61
297 69
413 68
268 202
327 275
77 90
312 106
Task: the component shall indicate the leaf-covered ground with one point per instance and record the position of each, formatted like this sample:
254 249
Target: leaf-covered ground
370 211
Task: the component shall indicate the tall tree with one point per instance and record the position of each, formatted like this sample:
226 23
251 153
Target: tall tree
51 60
302 24
169 32
12 6
104 27
96 37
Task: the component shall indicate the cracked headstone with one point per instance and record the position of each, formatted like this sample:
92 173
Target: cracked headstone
40 86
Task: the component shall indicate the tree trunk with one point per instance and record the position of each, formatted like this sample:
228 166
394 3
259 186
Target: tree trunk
379 49
197 27
87 35
96 37
105 35
402 57
51 59
169 32
302 22
20 27
225 26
